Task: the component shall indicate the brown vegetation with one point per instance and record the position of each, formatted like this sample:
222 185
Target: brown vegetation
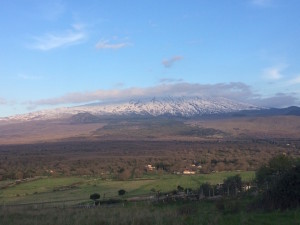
256 127
123 149
128 159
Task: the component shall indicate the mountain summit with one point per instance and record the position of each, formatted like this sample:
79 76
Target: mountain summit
157 106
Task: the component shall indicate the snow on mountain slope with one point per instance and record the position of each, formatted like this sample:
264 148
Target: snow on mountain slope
177 106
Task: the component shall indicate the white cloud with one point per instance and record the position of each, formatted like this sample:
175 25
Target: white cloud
169 62
230 90
104 44
275 72
51 41
235 91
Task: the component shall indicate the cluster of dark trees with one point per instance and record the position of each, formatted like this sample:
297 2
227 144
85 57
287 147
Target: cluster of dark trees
279 183
232 186
276 185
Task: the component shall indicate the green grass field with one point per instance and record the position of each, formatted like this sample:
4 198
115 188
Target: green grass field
79 188
58 197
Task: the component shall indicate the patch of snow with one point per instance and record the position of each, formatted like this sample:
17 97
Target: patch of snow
177 106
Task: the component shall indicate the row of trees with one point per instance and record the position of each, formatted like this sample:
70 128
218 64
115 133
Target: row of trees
277 185
96 196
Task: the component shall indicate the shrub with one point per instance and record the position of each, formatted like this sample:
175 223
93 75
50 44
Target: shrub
279 182
232 185
267 175
285 193
121 192
95 196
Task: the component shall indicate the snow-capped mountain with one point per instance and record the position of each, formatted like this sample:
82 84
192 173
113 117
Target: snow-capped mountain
157 106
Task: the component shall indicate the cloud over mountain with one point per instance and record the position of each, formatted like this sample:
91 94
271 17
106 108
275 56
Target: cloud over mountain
235 91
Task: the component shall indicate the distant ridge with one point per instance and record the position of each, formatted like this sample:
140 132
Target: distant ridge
289 111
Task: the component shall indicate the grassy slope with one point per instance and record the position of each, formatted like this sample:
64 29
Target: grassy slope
67 188
79 188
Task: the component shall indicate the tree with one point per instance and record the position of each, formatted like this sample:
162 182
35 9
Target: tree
206 189
95 198
267 175
285 193
121 192
282 178
232 185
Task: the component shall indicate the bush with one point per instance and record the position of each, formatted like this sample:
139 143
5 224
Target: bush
121 192
279 182
206 189
285 193
94 196
232 185
267 175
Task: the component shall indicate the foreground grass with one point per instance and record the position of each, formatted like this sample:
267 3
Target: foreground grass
144 213
77 189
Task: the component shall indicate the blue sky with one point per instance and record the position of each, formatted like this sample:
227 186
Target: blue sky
63 53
